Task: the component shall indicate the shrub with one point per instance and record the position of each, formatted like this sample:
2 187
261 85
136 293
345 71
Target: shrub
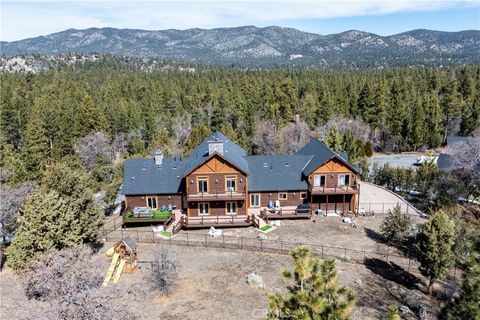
396 226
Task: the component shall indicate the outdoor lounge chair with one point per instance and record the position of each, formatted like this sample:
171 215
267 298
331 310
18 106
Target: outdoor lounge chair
214 232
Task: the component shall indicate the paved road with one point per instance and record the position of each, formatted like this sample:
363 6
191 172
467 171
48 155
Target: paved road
379 200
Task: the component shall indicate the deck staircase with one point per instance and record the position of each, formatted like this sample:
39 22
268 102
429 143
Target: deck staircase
258 220
175 224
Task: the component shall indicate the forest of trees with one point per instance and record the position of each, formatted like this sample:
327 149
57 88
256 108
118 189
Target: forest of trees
44 116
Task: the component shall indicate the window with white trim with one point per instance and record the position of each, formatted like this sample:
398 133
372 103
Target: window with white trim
202 184
319 180
152 202
231 184
255 200
343 180
282 196
231 208
203 209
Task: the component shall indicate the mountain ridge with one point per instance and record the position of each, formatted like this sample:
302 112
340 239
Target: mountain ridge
266 46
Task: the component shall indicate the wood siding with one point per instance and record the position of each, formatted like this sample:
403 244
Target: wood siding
217 170
162 199
331 170
216 208
292 200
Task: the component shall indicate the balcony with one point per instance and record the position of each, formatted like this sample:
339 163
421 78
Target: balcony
336 190
216 194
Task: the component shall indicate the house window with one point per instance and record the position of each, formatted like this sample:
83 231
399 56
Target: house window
202 184
152 202
231 208
282 196
255 200
203 208
318 180
343 180
303 195
231 183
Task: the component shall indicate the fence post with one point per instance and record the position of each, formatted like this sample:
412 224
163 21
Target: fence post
138 237
322 251
223 239
187 237
153 236
241 243
345 255
122 233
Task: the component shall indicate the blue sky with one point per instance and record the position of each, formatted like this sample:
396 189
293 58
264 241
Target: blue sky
24 19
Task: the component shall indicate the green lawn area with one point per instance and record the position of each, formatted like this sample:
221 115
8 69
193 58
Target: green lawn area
265 228
166 234
157 216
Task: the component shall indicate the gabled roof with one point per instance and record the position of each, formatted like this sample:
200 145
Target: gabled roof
321 154
142 176
277 173
232 152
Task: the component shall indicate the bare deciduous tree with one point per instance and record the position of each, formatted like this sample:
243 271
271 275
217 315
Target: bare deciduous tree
294 137
163 272
466 154
92 147
70 282
266 138
358 127
11 199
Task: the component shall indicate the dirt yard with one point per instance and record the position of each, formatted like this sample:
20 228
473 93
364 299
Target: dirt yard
212 285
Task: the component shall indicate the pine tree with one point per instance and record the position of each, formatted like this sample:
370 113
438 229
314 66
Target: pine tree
396 227
312 291
35 150
198 134
434 244
333 139
468 305
89 118
350 145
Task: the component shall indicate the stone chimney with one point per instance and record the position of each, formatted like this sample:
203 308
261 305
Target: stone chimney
158 157
215 146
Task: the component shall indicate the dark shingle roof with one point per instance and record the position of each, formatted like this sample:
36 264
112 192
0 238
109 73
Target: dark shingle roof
233 153
321 155
142 176
277 173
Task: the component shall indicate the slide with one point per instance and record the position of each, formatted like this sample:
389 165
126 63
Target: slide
119 271
109 274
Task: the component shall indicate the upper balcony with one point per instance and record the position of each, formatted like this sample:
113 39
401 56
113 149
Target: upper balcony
217 194
346 189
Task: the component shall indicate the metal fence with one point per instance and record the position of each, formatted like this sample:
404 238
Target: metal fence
365 257
384 207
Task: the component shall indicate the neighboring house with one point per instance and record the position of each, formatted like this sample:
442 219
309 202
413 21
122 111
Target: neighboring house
219 184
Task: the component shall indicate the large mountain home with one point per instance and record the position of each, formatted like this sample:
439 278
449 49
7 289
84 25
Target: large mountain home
218 184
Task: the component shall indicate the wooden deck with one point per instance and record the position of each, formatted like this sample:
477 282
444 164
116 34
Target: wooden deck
282 213
217 221
216 196
337 190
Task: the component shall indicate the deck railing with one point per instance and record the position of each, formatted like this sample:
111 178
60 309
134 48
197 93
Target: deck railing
217 193
332 190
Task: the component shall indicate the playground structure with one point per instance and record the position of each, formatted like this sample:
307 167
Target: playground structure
124 259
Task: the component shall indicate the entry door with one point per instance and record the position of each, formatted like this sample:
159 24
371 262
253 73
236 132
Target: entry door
255 200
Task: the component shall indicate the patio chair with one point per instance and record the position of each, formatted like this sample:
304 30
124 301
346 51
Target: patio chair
170 208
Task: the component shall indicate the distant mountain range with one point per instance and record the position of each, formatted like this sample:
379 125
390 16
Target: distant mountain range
250 46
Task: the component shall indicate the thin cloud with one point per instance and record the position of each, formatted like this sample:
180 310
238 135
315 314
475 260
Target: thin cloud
23 19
